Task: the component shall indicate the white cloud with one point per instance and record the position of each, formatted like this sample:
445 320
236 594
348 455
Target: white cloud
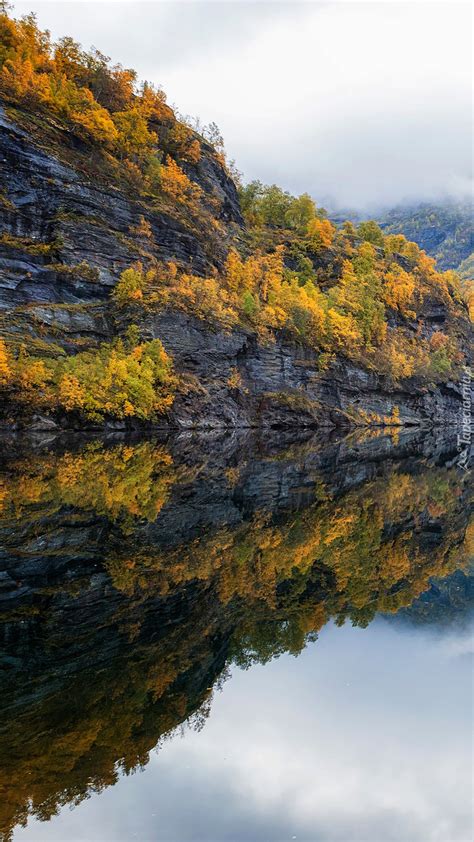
363 102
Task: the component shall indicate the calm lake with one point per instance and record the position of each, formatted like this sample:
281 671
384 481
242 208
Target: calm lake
236 638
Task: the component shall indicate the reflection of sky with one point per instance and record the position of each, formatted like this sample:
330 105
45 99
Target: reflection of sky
363 738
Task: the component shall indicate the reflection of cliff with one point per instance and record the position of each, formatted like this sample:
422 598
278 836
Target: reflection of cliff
134 573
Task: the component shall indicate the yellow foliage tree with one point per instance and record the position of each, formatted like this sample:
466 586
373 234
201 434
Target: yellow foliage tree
6 373
176 184
133 138
399 289
30 373
70 392
234 271
320 233
133 283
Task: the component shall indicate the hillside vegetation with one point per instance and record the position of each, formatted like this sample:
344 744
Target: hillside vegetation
274 264
123 130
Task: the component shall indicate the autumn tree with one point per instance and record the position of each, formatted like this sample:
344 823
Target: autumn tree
183 143
133 138
301 212
176 184
142 229
118 382
370 232
133 283
6 373
358 294
320 233
71 393
399 289
234 271
31 374
349 230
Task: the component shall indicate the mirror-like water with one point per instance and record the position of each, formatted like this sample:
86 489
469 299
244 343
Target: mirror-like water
363 737
153 597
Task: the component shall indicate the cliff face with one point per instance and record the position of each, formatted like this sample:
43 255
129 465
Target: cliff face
278 384
69 222
281 380
65 241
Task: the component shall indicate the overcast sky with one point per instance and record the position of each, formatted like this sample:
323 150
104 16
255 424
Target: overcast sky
363 103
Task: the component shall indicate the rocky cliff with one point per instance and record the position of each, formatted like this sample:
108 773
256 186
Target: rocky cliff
71 234
66 237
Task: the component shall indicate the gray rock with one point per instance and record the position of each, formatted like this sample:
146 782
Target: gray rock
88 228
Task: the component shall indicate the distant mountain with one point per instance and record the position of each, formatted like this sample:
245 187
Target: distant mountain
466 268
449 600
444 231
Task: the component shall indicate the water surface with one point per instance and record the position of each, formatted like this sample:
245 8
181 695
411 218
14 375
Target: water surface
236 640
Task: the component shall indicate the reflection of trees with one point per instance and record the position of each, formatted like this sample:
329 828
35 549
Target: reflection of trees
117 482
103 723
113 668
367 551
